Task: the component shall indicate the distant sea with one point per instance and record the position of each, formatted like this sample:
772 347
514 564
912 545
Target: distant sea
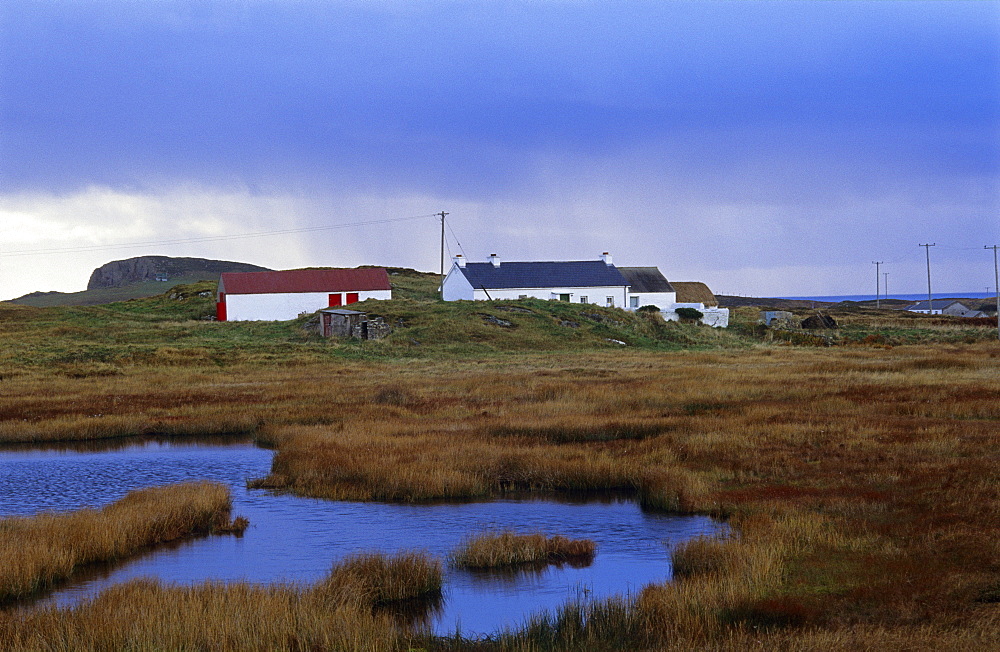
905 297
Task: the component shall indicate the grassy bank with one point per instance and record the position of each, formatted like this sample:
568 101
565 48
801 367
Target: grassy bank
38 551
338 613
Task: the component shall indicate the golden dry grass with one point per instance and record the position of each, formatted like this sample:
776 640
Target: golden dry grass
507 548
40 550
335 614
860 483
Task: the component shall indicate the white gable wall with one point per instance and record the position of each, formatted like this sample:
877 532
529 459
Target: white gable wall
456 286
283 306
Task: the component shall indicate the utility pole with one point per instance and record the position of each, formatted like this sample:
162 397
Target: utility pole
442 214
885 284
930 304
878 304
996 281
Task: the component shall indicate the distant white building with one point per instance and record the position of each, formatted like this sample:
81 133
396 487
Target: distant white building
943 307
583 281
281 295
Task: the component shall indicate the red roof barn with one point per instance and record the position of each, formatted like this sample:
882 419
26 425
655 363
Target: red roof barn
286 294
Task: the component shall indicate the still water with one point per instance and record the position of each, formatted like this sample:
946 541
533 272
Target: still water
298 539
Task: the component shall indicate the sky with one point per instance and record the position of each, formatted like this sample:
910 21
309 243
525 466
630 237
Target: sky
766 148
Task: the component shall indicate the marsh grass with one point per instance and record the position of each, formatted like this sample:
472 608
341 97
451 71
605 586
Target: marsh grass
338 613
859 482
507 548
38 551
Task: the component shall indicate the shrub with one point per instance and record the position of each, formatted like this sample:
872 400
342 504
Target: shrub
689 313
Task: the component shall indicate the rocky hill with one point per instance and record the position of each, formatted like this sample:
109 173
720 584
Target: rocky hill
143 276
120 273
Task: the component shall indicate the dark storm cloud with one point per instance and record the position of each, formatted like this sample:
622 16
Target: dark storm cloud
462 94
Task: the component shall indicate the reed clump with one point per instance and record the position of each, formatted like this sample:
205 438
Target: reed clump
41 550
507 548
379 579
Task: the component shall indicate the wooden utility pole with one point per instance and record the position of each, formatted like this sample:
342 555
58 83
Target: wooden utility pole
878 304
930 304
442 214
996 283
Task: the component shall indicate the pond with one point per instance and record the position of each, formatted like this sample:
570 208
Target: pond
298 539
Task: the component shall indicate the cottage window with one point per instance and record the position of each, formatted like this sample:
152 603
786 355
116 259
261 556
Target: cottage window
564 297
611 302
634 302
584 299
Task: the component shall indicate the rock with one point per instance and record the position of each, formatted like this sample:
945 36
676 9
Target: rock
819 320
569 324
503 323
120 273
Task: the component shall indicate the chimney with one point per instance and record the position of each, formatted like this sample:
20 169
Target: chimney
494 260
606 257
459 260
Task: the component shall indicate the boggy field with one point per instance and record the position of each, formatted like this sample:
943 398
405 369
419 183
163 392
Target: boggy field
860 484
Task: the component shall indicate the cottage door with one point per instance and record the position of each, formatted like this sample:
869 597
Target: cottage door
352 297
334 300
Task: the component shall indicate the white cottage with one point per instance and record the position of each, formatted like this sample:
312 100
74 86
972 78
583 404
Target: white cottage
274 296
583 281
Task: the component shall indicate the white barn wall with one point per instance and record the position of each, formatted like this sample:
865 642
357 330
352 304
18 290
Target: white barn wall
595 295
283 306
662 300
713 316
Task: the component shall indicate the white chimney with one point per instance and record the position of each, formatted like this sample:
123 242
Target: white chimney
606 257
459 260
495 260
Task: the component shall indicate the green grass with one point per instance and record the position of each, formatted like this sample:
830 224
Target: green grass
176 327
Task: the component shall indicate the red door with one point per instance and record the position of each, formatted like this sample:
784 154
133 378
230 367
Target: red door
220 308
352 297
334 300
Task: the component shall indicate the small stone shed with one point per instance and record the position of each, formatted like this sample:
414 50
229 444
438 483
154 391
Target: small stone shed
340 322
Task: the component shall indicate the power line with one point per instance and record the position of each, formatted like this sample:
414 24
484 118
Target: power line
216 238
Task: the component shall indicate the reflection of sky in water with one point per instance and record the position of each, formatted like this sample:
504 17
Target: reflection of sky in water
298 539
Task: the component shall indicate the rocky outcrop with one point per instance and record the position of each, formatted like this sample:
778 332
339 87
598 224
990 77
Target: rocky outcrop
120 273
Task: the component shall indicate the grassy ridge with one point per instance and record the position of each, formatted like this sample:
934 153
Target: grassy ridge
175 329
40 550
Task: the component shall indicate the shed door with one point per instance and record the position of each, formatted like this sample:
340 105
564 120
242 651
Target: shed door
334 300
220 308
352 297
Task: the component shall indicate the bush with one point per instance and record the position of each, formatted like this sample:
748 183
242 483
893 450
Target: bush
648 309
689 313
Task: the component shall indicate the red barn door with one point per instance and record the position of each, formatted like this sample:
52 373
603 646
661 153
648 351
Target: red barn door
352 297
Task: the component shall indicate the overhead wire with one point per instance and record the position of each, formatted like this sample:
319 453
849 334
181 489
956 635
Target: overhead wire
236 236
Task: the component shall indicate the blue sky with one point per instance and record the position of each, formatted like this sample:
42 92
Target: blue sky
767 148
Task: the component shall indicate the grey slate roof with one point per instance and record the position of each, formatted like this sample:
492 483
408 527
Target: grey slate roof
936 304
581 273
645 279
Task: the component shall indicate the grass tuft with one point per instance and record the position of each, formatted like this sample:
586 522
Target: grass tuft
503 549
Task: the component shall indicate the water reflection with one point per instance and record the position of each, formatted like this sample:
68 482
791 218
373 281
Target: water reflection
297 540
